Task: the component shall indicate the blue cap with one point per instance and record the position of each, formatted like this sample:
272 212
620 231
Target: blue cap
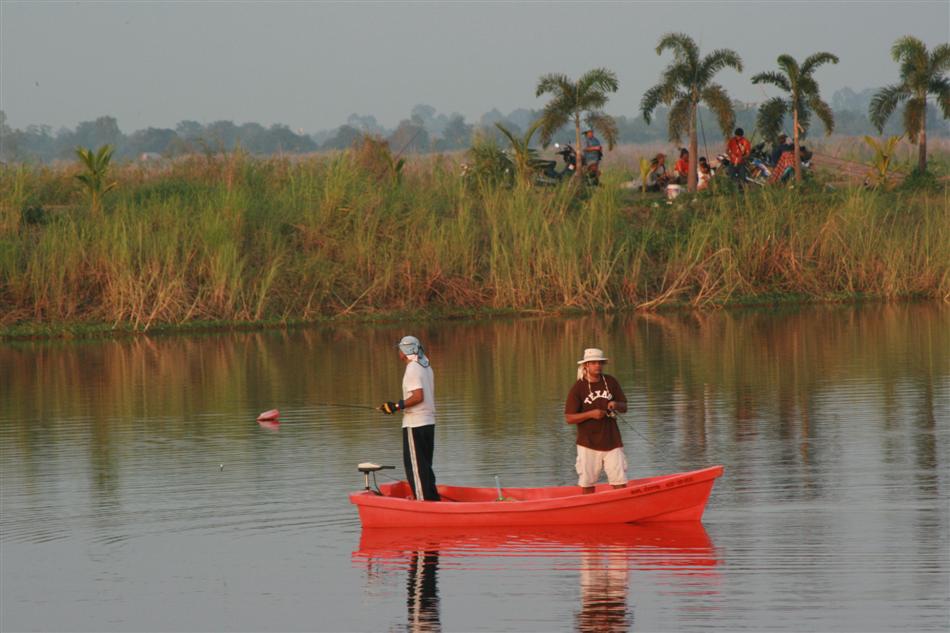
409 345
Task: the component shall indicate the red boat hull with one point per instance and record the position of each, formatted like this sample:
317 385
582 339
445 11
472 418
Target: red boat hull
676 497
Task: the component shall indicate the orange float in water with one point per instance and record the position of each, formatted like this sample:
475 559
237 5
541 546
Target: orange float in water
269 416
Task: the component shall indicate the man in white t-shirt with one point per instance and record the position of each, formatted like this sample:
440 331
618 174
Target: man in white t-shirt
418 420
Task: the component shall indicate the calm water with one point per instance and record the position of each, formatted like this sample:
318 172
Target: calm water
139 493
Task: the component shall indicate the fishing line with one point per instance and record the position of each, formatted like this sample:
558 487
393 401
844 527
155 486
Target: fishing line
652 444
699 115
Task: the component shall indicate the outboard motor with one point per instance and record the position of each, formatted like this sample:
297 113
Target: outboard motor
369 467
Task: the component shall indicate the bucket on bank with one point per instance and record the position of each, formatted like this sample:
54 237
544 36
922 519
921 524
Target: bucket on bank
672 191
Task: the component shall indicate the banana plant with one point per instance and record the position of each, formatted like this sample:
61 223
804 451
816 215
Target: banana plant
644 172
883 153
94 178
524 157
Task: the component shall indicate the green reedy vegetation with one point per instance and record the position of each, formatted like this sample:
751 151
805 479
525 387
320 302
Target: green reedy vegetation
236 239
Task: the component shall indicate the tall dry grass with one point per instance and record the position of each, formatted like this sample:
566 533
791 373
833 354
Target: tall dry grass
239 239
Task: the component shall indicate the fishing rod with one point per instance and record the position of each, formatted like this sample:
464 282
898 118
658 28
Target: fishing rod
363 407
408 143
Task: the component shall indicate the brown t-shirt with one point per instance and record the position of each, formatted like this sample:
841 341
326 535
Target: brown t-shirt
600 435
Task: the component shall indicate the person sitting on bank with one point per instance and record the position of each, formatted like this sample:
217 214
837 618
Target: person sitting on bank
681 168
785 167
782 145
418 420
590 405
704 174
657 178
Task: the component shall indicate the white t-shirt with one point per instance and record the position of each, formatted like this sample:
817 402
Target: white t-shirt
419 377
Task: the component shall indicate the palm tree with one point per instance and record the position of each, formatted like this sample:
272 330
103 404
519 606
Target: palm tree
921 75
570 102
685 83
94 180
803 100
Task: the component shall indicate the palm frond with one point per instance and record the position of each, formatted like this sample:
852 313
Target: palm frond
884 102
85 156
908 47
717 99
807 85
554 116
788 64
678 75
940 87
771 116
823 111
915 113
716 61
679 118
940 59
911 54
529 133
804 120
660 93
591 100
104 155
554 83
683 46
812 62
597 80
605 125
508 133
771 77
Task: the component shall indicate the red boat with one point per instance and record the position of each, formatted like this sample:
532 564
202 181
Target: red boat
676 497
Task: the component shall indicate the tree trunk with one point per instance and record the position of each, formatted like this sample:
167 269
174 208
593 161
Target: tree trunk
922 149
578 154
798 149
693 149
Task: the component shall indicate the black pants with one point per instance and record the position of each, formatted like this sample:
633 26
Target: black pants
418 444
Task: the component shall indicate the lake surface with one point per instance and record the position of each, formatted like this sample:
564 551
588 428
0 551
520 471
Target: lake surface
139 493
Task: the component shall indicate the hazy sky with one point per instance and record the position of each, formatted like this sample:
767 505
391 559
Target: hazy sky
311 64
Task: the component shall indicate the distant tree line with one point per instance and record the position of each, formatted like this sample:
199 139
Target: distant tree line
40 143
425 130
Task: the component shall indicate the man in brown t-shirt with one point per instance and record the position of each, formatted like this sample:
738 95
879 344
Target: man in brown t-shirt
590 405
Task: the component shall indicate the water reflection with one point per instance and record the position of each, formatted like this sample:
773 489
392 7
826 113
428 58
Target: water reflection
603 557
604 585
422 592
687 376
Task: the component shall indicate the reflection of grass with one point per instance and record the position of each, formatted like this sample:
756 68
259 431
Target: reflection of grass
235 239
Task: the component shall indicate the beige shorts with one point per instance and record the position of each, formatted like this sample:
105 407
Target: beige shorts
591 463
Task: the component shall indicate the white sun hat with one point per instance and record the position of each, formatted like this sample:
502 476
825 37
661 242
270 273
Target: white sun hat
592 353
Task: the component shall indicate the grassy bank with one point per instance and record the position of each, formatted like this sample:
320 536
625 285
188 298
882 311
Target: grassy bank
236 239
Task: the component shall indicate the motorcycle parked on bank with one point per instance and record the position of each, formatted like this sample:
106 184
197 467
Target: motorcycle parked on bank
548 173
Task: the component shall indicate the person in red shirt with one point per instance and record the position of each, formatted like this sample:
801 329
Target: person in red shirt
681 168
738 148
590 406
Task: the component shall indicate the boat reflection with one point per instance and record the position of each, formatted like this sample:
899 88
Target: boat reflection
604 556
